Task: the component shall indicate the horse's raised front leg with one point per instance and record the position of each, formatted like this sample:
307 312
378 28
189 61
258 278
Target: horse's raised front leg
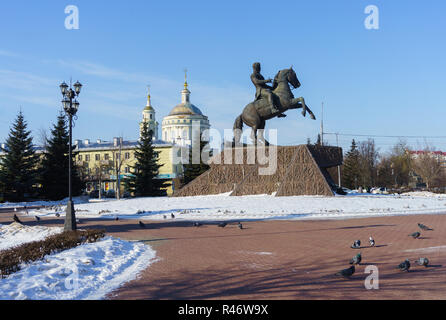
301 100
312 116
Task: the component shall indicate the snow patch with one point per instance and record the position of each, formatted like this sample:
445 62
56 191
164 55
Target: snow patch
16 234
89 271
258 207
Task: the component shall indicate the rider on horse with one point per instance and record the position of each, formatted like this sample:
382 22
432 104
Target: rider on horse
262 89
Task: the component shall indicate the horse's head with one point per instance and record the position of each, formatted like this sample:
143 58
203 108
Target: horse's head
287 75
292 78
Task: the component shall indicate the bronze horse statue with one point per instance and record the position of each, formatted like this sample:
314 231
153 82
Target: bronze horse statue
257 112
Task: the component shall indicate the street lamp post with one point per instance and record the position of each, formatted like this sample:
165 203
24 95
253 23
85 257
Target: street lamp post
70 105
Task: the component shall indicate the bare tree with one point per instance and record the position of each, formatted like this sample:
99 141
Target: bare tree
118 162
401 163
42 137
384 176
368 162
101 172
427 164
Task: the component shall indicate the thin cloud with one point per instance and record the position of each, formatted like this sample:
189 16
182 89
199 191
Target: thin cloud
24 80
10 54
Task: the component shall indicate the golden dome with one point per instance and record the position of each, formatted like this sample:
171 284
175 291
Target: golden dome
185 109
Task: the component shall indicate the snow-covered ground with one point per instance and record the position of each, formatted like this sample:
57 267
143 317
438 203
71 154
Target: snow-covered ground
16 234
76 200
89 271
260 207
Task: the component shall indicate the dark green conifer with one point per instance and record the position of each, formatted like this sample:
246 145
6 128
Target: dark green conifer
193 170
351 170
18 166
53 173
143 180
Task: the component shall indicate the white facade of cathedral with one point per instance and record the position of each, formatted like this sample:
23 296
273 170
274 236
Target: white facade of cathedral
177 127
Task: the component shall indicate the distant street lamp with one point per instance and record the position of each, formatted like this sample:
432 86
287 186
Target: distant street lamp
70 105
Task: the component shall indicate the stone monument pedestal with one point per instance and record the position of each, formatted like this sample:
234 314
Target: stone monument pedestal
284 171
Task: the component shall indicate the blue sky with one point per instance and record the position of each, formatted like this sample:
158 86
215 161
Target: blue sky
388 81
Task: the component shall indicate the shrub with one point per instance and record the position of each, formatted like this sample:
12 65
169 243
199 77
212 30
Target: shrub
11 259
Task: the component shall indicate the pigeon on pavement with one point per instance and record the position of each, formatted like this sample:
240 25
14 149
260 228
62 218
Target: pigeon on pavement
37 218
172 216
423 227
240 226
222 224
372 241
423 262
16 219
117 218
415 235
404 266
356 244
141 224
58 214
346 272
356 259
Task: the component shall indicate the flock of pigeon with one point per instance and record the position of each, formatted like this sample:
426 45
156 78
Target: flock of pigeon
194 224
141 224
403 266
16 219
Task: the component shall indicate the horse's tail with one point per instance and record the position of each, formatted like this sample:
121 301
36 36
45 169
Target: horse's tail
237 129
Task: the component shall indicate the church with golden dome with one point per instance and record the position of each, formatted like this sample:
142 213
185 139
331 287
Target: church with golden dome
177 126
104 164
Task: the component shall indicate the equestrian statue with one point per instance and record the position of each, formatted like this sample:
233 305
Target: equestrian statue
270 102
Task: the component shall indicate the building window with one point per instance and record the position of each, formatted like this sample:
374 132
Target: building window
127 155
87 157
79 157
97 157
127 170
106 156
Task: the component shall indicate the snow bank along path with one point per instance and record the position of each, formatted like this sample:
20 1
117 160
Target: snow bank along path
16 234
260 207
89 271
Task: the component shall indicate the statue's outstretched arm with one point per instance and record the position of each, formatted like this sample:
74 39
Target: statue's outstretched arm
258 81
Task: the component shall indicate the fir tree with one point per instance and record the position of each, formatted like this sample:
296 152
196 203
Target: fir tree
193 170
143 181
18 166
351 170
54 169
